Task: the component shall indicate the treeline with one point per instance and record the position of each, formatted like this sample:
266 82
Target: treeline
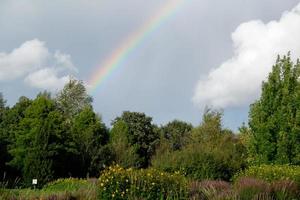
52 137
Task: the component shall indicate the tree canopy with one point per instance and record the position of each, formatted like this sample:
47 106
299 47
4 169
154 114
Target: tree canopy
274 119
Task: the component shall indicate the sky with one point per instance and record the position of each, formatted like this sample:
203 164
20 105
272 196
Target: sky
203 53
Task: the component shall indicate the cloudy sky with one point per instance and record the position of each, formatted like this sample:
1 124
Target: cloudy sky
209 52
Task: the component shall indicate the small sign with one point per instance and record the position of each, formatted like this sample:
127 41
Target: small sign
34 181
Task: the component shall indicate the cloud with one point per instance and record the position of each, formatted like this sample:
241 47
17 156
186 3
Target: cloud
37 64
31 55
64 60
46 78
237 81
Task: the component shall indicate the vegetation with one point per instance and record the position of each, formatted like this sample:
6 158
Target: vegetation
275 117
272 173
60 141
119 183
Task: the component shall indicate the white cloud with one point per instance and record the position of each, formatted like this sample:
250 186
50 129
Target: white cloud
64 61
46 78
238 80
30 56
40 67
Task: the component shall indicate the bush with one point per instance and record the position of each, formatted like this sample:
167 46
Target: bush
285 189
210 190
250 188
119 183
272 173
197 163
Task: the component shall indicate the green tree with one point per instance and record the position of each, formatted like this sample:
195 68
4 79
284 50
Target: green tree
40 144
4 156
125 154
140 134
10 118
90 136
177 133
73 98
274 119
211 153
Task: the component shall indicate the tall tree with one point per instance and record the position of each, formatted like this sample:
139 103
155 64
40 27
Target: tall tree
176 132
10 118
90 136
124 153
274 119
4 156
73 98
140 134
40 142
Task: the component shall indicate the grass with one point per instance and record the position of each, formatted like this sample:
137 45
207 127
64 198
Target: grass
118 183
61 189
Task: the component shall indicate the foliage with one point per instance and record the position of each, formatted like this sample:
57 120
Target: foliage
274 118
271 173
90 136
73 98
40 143
61 189
197 163
140 134
250 188
67 184
4 140
10 118
176 133
285 189
119 183
207 190
213 152
125 154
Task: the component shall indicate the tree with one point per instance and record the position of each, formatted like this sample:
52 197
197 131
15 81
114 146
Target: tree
211 153
140 134
39 150
210 131
90 136
125 154
10 118
176 132
4 141
274 118
73 98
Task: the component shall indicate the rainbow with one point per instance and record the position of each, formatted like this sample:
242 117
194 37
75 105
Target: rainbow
121 53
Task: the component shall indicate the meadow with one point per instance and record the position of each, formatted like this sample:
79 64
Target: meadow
264 182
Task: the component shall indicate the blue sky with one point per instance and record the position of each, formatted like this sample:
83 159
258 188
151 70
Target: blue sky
211 52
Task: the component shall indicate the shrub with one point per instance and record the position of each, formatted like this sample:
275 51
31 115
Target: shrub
119 183
250 188
210 190
272 173
285 189
197 163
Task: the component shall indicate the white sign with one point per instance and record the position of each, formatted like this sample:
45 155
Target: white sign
34 181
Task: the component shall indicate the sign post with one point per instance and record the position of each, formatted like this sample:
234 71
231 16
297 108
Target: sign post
34 182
